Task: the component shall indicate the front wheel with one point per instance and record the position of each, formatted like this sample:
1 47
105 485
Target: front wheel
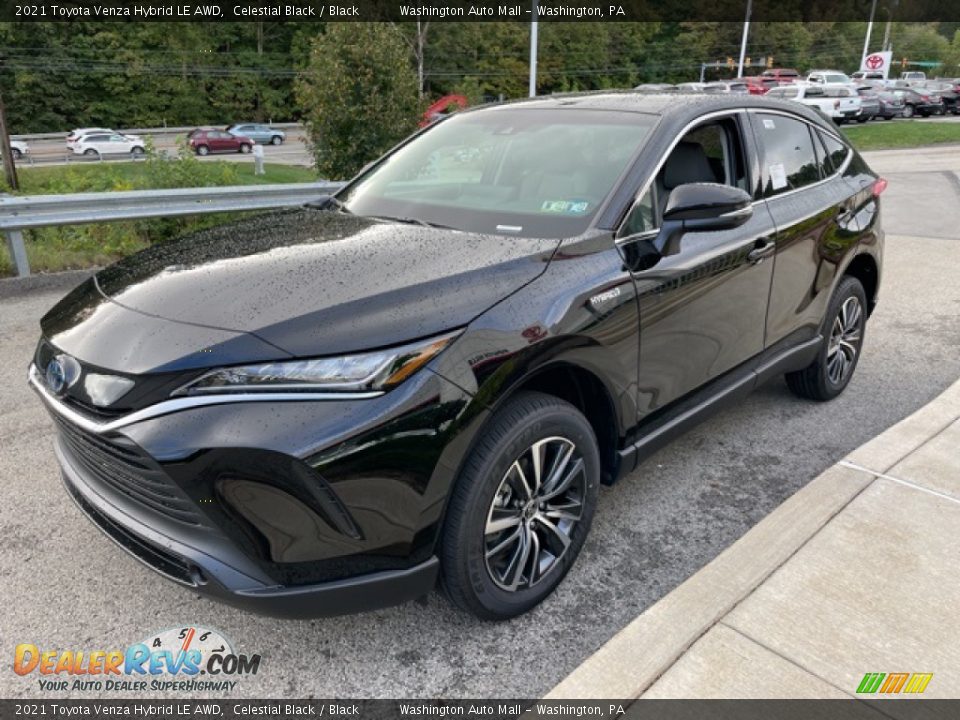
137 152
244 148
276 140
907 111
15 153
203 150
521 509
845 323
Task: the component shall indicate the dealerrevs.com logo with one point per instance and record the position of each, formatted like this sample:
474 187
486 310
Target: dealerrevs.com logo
188 659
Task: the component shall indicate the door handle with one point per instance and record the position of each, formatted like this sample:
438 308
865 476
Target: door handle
762 248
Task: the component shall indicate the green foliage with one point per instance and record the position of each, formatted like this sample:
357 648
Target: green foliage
358 95
56 76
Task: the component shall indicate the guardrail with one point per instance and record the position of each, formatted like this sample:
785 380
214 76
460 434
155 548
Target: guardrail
22 213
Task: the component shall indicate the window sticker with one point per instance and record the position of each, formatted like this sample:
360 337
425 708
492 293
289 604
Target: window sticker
769 124
565 207
778 176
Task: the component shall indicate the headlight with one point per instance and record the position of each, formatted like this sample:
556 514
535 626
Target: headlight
380 370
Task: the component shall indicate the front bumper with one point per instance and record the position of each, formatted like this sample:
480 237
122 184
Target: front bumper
294 509
211 577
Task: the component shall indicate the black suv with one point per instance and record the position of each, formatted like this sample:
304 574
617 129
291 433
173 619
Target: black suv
427 377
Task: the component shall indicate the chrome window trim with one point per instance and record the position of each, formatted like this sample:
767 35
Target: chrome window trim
727 113
177 404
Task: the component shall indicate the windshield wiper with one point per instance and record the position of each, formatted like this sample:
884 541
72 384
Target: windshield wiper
413 221
331 201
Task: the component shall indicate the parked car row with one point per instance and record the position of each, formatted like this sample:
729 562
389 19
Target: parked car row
843 98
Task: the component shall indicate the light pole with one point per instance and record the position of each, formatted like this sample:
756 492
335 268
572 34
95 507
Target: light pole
743 41
866 40
533 52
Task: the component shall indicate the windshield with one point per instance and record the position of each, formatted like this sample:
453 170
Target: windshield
836 78
529 172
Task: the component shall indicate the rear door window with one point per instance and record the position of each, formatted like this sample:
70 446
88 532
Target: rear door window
788 160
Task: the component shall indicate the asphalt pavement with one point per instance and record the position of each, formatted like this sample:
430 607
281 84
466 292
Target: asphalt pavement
64 585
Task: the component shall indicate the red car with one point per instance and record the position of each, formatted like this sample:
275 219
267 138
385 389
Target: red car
205 142
442 107
781 75
758 85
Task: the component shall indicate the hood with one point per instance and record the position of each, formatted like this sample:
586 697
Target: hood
310 282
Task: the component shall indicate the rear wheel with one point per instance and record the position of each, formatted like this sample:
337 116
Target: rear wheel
828 375
137 152
908 111
15 153
89 151
521 509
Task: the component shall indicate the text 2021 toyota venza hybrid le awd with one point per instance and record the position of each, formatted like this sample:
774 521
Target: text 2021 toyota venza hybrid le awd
427 378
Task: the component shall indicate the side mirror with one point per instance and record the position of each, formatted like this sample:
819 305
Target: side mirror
701 207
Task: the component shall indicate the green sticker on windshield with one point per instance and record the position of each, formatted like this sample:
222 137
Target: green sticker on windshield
565 207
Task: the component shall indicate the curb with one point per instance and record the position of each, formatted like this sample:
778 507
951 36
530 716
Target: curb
67 280
634 658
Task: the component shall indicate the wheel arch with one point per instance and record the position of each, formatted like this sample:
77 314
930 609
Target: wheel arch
865 269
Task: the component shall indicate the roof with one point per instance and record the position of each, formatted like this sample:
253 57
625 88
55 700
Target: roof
677 104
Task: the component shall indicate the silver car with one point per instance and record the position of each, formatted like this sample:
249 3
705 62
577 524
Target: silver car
259 133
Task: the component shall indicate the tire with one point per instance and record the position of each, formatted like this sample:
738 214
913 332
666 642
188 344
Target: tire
244 148
15 153
845 325
862 120
907 111
203 150
89 151
491 573
137 152
276 140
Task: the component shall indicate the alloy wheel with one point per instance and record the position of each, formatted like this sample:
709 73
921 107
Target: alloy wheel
536 507
845 340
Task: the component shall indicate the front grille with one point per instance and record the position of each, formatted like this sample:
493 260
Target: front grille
157 558
124 468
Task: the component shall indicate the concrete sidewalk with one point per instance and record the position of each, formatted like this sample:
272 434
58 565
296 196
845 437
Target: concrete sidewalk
858 572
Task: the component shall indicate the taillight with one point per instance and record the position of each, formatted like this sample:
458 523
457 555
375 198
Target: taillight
836 103
925 98
879 185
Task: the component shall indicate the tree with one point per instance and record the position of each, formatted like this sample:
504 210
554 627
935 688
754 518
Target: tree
358 96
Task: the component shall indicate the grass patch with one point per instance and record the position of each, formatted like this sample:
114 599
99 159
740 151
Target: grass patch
880 135
67 248
116 176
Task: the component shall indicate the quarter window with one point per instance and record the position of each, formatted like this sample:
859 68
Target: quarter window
789 161
836 152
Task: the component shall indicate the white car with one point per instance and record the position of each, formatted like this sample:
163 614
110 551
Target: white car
838 102
77 133
18 148
828 77
111 143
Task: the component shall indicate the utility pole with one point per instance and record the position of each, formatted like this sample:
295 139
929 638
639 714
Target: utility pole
533 52
743 41
9 169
